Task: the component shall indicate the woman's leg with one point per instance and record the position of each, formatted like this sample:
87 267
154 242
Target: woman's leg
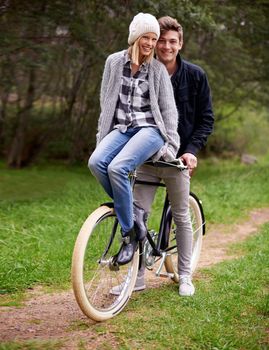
102 156
141 146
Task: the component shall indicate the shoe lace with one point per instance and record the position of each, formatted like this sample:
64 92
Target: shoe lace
185 280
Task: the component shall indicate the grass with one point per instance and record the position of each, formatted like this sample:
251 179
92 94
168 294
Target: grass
229 189
31 345
229 310
42 209
41 212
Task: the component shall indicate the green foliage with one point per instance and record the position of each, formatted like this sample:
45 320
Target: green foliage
245 131
54 52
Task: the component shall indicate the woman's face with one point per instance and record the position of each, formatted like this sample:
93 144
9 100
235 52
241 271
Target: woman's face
147 44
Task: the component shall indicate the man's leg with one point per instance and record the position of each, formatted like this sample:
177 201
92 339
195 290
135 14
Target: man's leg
144 194
178 187
143 197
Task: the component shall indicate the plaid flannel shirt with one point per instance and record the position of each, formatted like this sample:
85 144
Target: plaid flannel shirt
133 107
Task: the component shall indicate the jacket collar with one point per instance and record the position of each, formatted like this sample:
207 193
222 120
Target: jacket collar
179 69
176 76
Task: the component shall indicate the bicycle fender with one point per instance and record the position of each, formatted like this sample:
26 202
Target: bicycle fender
108 204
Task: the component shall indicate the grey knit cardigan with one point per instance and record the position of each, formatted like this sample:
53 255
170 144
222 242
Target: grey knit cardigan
162 102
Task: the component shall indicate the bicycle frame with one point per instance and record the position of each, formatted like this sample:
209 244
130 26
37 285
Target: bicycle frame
160 248
162 241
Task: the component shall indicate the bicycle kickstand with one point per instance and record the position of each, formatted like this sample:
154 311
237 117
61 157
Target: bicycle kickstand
163 274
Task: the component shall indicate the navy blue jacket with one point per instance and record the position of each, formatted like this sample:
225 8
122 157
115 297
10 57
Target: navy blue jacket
193 100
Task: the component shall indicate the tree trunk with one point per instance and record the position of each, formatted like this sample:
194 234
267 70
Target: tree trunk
15 156
3 116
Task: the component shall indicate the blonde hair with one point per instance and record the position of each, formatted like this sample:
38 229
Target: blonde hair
133 52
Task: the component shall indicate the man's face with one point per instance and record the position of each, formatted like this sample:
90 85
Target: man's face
168 47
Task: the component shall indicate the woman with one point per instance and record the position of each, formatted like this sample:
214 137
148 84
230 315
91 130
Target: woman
137 121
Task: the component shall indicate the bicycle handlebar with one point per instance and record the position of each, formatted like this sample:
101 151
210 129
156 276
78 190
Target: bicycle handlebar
177 163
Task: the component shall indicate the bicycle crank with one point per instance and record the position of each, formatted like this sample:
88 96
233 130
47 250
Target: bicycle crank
110 263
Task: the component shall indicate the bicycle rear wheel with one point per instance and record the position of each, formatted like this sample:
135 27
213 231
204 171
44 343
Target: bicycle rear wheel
93 272
197 220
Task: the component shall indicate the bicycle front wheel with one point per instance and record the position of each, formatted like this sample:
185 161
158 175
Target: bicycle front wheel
197 220
93 272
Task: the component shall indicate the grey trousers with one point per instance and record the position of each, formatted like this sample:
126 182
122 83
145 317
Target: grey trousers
178 187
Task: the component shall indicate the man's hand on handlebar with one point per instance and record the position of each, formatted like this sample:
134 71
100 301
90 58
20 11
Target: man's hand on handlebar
190 160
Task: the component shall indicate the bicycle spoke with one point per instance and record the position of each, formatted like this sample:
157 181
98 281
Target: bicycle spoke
99 276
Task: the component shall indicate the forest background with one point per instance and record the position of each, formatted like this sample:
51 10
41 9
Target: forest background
52 55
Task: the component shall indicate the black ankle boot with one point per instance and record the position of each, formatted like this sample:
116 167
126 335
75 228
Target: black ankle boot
128 247
140 218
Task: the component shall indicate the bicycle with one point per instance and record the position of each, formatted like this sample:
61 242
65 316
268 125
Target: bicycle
94 272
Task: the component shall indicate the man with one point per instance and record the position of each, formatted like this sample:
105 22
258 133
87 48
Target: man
193 100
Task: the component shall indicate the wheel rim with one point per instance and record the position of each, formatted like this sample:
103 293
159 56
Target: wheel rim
94 275
197 228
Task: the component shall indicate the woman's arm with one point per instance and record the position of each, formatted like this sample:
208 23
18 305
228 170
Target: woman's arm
169 114
105 80
103 93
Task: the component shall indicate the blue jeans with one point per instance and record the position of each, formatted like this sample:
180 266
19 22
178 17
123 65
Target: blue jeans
115 157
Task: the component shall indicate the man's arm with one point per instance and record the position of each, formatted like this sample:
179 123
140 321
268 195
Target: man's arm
204 118
203 127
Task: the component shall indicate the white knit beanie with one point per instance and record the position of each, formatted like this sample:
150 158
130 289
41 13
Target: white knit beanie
143 23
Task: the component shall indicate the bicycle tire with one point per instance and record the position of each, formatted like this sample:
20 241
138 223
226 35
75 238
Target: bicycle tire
92 273
198 226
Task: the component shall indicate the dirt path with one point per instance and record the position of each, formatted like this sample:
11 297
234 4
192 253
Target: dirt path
47 317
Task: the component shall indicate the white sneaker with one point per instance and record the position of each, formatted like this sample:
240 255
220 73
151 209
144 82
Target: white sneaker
186 288
139 285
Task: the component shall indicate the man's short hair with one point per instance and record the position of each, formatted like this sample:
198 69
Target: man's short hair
168 23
